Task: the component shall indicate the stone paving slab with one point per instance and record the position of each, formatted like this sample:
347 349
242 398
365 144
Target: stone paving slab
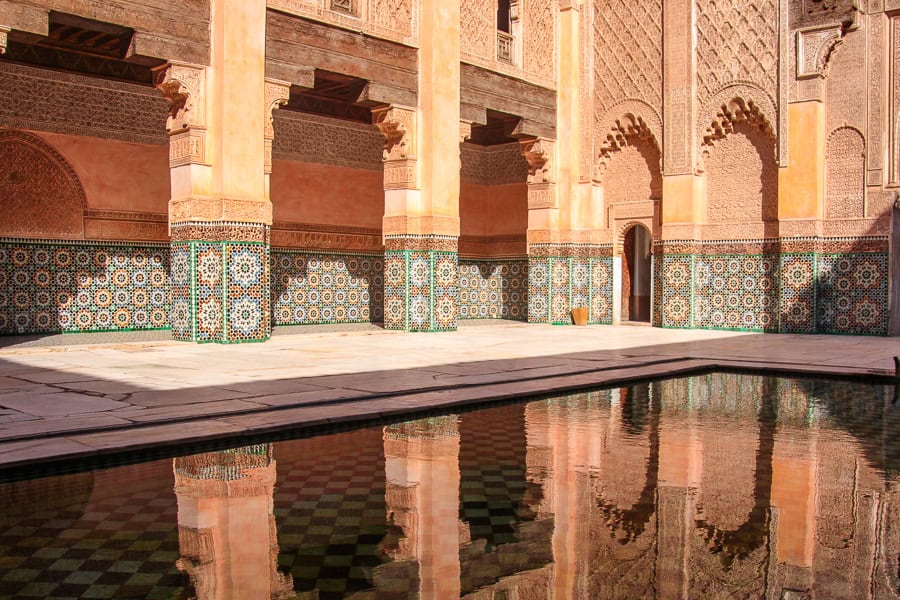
65 402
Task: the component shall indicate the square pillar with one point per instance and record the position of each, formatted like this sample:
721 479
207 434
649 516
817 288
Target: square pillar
421 292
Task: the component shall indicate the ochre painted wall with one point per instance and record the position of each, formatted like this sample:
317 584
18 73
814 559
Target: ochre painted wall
489 210
327 194
116 175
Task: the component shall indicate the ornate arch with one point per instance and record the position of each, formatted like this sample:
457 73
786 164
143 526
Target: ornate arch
623 229
742 102
629 118
43 194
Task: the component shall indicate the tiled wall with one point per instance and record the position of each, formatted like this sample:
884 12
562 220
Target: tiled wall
420 290
220 291
319 287
493 289
559 284
789 292
62 286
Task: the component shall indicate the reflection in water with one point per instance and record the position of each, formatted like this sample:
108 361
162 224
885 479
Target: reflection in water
718 486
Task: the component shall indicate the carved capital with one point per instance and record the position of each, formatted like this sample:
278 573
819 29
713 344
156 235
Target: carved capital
277 95
539 155
398 126
184 86
4 32
814 49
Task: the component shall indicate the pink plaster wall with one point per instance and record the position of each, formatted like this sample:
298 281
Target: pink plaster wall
326 194
121 176
493 210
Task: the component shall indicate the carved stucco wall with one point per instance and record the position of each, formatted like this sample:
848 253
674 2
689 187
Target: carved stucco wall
631 181
45 100
478 37
40 192
845 155
493 165
316 139
627 61
395 20
737 56
742 178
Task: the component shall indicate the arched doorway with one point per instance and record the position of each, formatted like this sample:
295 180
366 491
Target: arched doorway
636 275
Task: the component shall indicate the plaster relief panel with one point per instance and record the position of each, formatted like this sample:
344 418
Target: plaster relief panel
737 41
845 105
627 56
478 27
540 31
845 174
40 194
742 179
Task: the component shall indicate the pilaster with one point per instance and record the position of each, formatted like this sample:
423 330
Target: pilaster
421 183
219 212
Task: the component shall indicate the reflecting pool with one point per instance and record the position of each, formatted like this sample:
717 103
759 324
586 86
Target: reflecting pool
714 486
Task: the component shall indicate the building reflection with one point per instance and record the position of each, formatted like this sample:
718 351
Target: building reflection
226 524
712 486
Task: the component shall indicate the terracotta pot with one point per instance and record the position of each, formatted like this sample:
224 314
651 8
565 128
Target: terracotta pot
580 316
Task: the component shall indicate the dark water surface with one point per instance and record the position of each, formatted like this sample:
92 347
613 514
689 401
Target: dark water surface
714 486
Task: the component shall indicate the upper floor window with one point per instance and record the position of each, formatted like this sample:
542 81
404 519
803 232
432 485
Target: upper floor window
503 13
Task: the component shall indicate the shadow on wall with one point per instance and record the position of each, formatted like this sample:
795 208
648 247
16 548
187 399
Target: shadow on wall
493 289
320 287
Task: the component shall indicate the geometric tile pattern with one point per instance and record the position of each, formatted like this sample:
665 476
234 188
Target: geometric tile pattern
220 291
791 293
675 293
601 297
852 293
798 293
493 289
316 287
420 290
538 289
62 286
557 284
736 292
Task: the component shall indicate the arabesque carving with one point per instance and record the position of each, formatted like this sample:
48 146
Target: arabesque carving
814 49
539 155
628 131
184 86
277 94
398 126
740 103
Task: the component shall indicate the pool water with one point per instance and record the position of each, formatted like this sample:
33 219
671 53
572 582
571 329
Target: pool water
714 486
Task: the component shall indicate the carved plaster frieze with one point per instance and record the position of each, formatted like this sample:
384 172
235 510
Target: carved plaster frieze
541 164
740 103
629 129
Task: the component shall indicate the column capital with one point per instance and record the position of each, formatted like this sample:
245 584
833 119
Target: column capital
184 87
398 126
277 93
539 153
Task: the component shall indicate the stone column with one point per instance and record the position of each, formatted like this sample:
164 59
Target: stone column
422 497
219 213
421 182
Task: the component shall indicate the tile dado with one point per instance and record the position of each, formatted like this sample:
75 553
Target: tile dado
557 284
493 288
220 291
421 283
322 287
790 292
74 286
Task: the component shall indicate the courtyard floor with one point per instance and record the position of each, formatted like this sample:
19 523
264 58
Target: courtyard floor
64 397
